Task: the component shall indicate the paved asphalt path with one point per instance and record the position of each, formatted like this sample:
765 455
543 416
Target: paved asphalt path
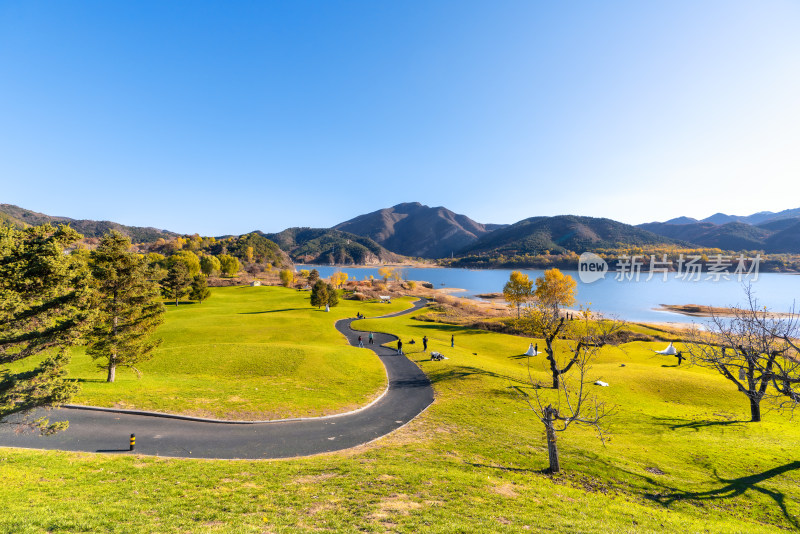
408 394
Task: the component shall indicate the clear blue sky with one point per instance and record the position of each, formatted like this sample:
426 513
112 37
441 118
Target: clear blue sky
224 117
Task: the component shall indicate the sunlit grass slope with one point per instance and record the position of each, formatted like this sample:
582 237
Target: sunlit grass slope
679 460
249 353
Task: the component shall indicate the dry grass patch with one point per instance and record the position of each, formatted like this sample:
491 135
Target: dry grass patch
395 504
506 490
314 479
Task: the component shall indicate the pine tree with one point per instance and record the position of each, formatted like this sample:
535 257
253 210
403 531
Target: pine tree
319 294
176 284
333 296
44 309
200 291
129 306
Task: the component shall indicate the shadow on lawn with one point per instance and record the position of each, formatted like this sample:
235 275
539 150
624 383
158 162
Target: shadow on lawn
694 425
462 372
521 356
545 471
87 380
735 487
272 311
451 328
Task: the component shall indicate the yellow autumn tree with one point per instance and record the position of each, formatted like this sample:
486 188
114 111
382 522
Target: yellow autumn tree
385 273
555 290
287 277
518 290
338 278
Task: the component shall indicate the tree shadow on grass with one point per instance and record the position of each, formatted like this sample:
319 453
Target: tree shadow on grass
673 424
272 311
461 372
523 355
735 487
451 328
88 380
545 471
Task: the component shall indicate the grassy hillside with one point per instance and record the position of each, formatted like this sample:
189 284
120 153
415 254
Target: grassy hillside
246 353
679 460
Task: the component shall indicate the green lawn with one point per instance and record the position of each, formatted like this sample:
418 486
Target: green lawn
679 461
246 353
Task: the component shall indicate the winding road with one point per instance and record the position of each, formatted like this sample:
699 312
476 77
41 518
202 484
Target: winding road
102 430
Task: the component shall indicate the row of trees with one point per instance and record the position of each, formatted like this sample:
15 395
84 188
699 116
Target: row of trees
109 299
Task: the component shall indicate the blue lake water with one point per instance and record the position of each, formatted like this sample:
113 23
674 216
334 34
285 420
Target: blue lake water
628 299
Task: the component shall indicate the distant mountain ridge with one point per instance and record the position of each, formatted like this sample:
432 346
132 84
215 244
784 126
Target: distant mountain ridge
723 218
413 229
138 234
324 245
563 233
775 236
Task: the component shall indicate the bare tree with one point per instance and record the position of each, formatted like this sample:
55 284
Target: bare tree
541 321
573 402
756 350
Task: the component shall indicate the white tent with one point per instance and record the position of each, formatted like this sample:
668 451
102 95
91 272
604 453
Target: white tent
669 351
531 351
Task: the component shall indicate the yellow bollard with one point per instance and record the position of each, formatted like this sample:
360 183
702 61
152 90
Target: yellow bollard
133 441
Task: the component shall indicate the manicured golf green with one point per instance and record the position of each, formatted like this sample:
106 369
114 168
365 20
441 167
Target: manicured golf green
680 460
246 353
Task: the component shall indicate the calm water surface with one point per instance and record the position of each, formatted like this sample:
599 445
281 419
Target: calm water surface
629 299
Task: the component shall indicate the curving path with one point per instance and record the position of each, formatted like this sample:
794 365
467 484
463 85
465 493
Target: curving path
106 430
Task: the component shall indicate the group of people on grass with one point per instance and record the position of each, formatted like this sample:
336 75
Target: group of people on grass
434 355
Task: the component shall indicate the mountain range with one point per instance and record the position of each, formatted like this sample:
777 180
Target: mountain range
755 219
21 217
412 229
777 233
415 230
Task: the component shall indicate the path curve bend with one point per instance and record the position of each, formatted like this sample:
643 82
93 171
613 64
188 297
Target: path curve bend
92 429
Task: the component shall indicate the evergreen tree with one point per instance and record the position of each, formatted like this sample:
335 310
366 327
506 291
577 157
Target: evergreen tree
333 296
45 307
319 294
313 276
128 303
176 284
199 291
